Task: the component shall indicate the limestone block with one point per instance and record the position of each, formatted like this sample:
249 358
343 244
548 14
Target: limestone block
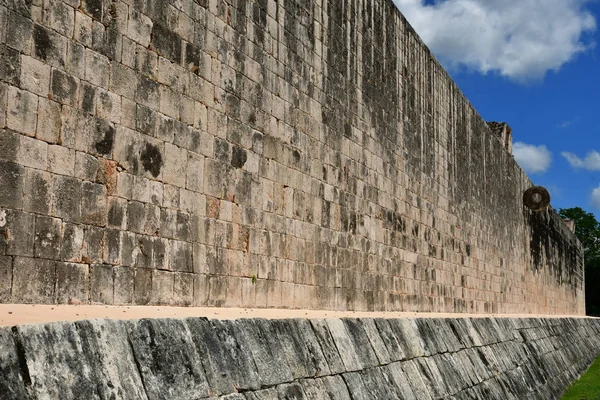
408 337
49 46
93 204
109 106
162 287
195 172
22 111
183 289
67 198
64 88
123 80
265 394
390 340
71 242
45 346
12 384
35 75
270 362
33 281
32 153
97 68
10 67
415 380
83 28
48 237
21 33
72 283
142 286
147 92
61 160
101 284
3 104
168 361
175 165
139 27
228 367
300 348
124 285
19 232
399 379
328 345
112 246
5 278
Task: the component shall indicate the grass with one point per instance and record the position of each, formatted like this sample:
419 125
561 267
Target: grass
588 386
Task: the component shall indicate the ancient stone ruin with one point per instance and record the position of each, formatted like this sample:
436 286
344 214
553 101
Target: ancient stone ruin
267 153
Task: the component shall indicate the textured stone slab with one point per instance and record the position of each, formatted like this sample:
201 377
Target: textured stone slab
400 380
106 347
57 363
167 359
429 332
390 340
377 343
408 337
12 384
345 345
265 394
415 380
270 362
227 363
299 345
336 365
336 387
356 386
273 359
361 341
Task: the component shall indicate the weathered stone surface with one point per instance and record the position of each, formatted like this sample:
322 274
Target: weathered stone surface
328 346
198 358
227 362
56 362
271 364
195 122
106 345
12 381
167 359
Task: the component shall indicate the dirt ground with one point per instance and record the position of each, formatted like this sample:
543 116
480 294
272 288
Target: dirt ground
19 314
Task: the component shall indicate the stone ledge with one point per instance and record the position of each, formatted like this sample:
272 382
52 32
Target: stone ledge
297 358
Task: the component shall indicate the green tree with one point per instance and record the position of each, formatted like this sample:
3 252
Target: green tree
587 229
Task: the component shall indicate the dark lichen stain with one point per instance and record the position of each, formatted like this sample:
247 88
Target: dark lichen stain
42 42
296 155
239 157
151 159
549 249
93 8
87 103
107 132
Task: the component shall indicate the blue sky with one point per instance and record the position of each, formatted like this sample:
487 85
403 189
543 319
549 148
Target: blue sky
534 64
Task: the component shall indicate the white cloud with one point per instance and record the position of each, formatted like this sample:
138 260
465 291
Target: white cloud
591 162
520 39
533 159
596 198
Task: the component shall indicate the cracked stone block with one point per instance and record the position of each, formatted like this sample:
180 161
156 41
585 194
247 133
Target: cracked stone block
167 359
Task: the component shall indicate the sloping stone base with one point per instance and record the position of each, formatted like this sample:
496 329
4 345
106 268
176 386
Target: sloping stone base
195 358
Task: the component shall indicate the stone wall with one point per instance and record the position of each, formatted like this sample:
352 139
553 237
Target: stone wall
259 154
255 359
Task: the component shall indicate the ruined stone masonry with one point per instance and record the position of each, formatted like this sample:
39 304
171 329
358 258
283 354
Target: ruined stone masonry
302 154
257 359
